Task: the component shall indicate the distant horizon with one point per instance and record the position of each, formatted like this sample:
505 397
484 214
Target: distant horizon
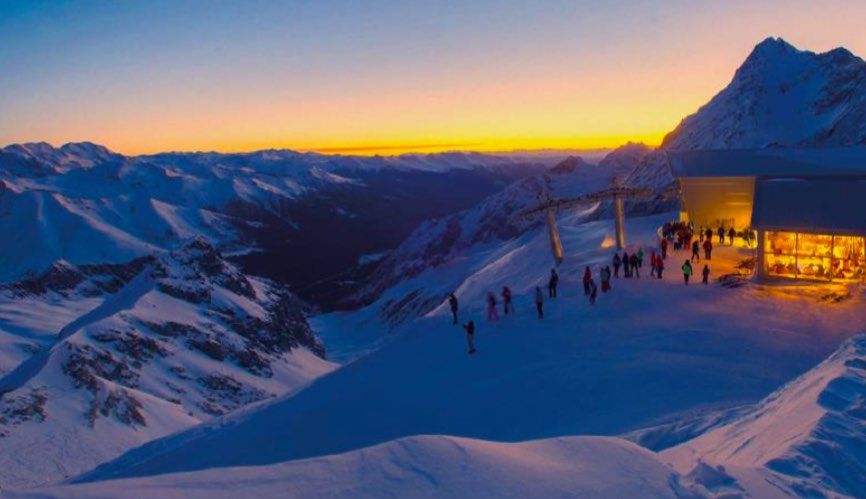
363 151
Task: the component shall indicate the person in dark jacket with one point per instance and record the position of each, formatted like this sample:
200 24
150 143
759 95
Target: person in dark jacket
687 271
587 278
731 235
709 233
706 274
664 249
605 279
626 265
708 249
616 263
634 265
552 283
470 336
593 292
506 300
660 266
539 302
452 302
721 235
696 251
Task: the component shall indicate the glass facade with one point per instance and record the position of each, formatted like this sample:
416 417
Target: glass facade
823 257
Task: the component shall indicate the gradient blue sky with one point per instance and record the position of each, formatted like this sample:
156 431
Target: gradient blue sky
145 76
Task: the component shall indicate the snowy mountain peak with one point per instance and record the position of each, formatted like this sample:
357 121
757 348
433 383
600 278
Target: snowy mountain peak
782 96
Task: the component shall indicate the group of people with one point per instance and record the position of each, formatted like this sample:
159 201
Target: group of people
679 232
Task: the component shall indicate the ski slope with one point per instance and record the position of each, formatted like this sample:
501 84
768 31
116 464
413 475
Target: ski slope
648 349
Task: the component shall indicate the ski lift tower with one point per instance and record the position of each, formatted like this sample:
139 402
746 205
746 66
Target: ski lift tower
616 192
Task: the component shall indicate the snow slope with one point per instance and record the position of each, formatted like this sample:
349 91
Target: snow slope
648 349
422 467
808 437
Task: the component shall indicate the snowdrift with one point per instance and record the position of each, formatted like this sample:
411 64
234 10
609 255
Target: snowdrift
423 467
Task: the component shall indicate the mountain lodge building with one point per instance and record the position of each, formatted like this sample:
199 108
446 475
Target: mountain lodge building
808 206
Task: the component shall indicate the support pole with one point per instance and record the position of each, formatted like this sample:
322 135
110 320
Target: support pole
553 232
619 219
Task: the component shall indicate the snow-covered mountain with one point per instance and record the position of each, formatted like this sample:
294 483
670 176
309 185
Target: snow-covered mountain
86 205
782 96
161 343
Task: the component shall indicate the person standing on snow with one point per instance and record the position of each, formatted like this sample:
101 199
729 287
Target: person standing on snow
587 278
552 283
721 234
696 251
640 257
539 302
492 314
593 292
708 250
687 271
709 233
664 248
616 263
452 302
634 267
626 265
470 336
605 279
731 235
660 266
506 300
706 274
653 265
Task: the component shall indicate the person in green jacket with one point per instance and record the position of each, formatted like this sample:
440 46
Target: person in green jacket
687 271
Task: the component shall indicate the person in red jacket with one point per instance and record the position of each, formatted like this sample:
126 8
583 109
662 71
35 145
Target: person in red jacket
587 278
708 249
653 264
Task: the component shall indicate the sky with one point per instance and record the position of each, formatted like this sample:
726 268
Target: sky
382 76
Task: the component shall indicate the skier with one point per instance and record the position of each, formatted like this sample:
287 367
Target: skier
470 336
664 248
492 314
626 265
587 278
616 263
731 235
696 251
706 274
708 249
552 283
506 300
452 301
687 271
721 234
660 263
634 265
640 257
593 292
539 302
605 279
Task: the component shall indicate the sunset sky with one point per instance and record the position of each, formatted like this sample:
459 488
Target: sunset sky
382 76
